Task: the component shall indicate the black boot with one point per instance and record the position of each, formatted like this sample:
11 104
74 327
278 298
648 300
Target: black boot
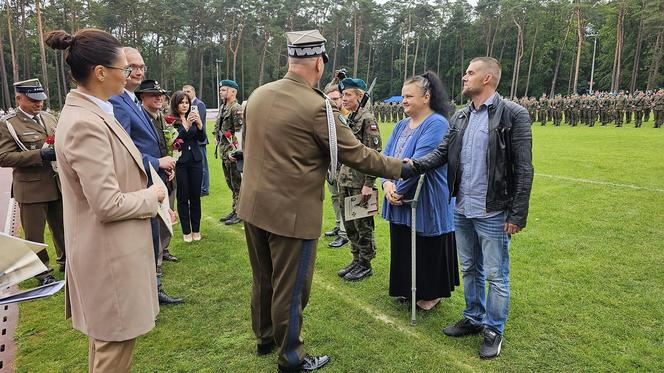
224 218
360 272
167 299
345 270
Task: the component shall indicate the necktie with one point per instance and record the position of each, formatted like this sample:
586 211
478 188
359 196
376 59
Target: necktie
37 119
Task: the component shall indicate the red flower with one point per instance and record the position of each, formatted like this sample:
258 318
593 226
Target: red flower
177 145
169 119
50 140
228 134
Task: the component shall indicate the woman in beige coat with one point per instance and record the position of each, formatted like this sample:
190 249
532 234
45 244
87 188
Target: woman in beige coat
111 292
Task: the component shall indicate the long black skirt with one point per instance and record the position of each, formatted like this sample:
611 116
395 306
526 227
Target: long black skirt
437 264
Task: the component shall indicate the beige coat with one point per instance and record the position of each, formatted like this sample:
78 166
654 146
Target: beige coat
286 156
111 292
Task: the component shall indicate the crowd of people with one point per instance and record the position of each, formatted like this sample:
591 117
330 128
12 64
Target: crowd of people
94 187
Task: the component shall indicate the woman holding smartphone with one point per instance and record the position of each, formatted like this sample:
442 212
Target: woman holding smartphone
189 166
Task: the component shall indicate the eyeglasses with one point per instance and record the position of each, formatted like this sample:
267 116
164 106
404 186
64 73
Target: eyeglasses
142 68
126 70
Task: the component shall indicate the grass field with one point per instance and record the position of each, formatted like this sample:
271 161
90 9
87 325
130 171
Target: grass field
587 282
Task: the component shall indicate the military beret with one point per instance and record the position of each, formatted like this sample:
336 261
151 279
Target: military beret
229 83
306 44
352 83
31 88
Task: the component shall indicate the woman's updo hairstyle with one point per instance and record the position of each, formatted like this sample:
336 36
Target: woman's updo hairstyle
85 50
430 82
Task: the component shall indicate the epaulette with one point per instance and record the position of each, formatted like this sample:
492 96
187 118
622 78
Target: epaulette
7 116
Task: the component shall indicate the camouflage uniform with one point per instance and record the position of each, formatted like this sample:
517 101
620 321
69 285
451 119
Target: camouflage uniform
628 109
658 108
638 104
557 110
575 110
621 104
646 111
228 122
360 231
543 109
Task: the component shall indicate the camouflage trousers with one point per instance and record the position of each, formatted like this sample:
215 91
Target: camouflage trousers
618 117
360 231
233 180
659 118
557 117
638 116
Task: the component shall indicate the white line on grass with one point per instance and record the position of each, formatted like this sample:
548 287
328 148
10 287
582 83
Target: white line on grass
599 182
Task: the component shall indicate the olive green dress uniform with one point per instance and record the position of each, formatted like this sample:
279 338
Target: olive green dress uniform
557 110
646 110
286 157
34 182
575 110
229 119
360 232
543 107
629 108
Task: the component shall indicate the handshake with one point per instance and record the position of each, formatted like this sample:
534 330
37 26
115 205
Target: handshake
409 169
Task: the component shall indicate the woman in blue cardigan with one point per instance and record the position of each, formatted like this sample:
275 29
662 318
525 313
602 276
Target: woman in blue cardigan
189 166
425 102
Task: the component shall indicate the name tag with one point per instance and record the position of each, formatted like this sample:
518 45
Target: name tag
28 133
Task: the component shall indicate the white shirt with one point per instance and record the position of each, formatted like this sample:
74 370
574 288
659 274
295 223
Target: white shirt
106 106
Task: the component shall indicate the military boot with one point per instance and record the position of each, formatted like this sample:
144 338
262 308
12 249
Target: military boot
347 269
360 272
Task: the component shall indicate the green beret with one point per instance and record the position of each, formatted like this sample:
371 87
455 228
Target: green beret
352 83
229 83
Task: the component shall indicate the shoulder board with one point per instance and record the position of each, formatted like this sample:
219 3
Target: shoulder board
320 92
8 116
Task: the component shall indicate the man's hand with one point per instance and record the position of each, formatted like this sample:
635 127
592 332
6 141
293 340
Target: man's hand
170 175
174 216
366 193
408 169
390 193
158 191
512 228
231 158
47 154
167 163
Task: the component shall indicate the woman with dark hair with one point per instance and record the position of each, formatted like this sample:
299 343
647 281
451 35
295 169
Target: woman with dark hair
111 291
189 166
426 104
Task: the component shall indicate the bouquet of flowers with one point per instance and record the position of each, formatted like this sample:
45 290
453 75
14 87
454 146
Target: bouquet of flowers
50 143
232 140
171 134
177 148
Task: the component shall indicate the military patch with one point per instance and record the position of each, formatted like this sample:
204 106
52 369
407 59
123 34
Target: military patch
343 120
376 140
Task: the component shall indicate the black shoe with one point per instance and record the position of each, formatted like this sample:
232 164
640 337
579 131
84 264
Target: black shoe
333 232
204 194
491 346
345 270
167 299
224 218
48 279
463 327
265 348
359 273
308 364
233 220
159 271
170 258
338 242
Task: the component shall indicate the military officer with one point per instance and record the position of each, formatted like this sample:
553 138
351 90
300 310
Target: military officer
557 109
289 144
638 105
543 108
628 108
35 187
619 108
575 109
657 104
353 182
229 121
648 102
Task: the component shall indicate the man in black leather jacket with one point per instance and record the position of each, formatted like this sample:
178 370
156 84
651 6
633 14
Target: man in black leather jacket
488 150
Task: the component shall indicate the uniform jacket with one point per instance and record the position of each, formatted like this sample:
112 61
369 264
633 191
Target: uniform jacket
509 158
139 127
111 292
191 150
229 120
33 180
286 156
366 131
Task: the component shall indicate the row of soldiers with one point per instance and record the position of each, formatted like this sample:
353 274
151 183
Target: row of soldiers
391 112
603 107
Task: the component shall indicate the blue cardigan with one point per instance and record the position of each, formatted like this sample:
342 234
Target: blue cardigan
435 216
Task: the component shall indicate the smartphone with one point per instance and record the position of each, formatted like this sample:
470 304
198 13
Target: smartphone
194 108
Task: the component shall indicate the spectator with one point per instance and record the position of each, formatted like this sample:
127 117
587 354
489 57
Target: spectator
202 112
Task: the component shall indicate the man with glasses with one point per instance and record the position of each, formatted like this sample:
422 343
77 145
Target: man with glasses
129 112
23 134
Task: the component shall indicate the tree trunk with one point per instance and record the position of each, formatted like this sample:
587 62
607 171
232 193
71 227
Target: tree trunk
417 48
426 55
336 48
357 33
261 72
42 54
27 71
405 60
559 59
493 38
579 43
569 81
461 68
200 75
637 51
655 61
440 41
65 84
6 102
518 54
530 62
242 70
15 75
391 69
234 49
617 55
57 78
369 64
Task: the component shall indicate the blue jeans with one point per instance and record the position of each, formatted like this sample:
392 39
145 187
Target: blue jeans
483 248
205 185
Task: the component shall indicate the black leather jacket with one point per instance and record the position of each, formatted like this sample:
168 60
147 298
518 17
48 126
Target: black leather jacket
509 158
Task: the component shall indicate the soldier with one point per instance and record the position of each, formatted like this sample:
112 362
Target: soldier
657 105
229 121
35 184
557 110
638 104
575 110
543 108
620 105
648 102
583 100
592 109
567 110
352 182
628 108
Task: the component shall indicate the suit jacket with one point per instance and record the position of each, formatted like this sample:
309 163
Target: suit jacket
111 291
191 151
139 127
286 156
202 111
33 181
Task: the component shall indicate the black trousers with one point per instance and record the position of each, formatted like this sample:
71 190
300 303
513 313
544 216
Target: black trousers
189 176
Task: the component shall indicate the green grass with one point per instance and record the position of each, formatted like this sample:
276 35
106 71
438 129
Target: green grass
586 276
